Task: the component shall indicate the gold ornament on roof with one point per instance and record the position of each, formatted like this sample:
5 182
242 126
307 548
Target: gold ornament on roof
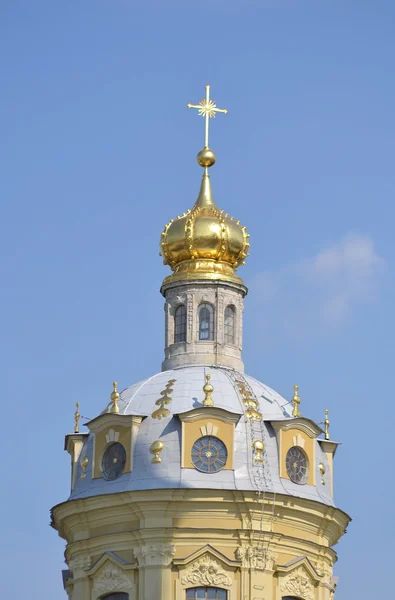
208 390
258 447
156 448
114 408
204 242
77 418
207 109
296 401
326 425
321 467
162 411
84 464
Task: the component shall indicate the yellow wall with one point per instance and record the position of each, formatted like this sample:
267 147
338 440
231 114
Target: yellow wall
303 441
192 432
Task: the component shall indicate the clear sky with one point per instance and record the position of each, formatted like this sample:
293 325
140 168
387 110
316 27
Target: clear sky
97 152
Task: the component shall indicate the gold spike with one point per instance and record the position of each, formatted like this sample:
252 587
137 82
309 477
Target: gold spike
208 390
77 418
326 425
114 408
296 401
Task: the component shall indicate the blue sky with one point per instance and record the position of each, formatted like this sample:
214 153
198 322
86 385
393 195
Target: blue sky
97 152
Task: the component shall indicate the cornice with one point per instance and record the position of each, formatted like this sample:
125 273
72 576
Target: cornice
213 412
113 420
308 426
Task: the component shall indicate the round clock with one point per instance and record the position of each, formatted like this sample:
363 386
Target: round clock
209 454
113 462
297 465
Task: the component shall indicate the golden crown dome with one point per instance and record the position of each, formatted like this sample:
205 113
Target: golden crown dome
204 242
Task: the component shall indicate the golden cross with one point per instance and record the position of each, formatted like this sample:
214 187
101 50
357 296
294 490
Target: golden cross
207 108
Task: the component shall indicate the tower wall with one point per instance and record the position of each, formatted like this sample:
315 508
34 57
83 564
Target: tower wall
164 544
192 351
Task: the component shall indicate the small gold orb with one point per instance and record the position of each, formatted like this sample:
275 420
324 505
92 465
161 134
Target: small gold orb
258 445
206 157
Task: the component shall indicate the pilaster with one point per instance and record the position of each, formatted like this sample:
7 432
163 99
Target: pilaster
154 565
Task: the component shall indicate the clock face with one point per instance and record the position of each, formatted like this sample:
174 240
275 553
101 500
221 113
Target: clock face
297 466
209 454
113 462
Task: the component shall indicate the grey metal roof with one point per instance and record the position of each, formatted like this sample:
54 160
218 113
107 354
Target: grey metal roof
140 398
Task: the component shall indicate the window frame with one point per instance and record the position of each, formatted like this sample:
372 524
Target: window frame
224 595
180 324
230 339
210 322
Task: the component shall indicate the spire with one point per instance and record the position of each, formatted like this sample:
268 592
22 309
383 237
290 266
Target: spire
206 157
205 198
204 242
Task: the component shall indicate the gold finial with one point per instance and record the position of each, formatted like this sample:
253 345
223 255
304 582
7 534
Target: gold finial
84 463
156 448
296 401
321 467
114 408
326 425
207 109
77 418
258 447
208 390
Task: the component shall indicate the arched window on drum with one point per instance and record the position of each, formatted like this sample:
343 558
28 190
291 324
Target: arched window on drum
229 325
206 322
117 596
206 593
180 324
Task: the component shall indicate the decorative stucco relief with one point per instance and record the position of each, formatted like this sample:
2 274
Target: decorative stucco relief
111 579
324 570
297 583
253 557
206 571
79 563
154 554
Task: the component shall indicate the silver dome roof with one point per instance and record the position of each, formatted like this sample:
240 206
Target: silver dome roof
139 399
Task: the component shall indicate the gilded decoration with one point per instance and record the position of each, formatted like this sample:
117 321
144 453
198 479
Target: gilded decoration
77 416
298 584
204 242
254 557
115 395
206 571
208 390
249 399
296 399
156 448
84 462
166 399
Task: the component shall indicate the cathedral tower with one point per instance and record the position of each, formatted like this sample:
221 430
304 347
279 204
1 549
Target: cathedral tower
201 482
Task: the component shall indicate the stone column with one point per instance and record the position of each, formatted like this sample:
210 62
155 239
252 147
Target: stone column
80 589
154 570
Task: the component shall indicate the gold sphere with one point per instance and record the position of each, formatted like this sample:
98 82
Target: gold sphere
206 157
156 446
258 445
